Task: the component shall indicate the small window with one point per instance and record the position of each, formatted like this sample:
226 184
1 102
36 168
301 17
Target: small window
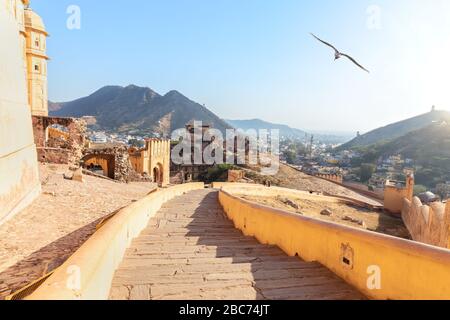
37 43
36 67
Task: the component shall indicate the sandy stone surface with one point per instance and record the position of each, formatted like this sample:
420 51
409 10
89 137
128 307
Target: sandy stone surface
43 236
191 251
333 210
294 179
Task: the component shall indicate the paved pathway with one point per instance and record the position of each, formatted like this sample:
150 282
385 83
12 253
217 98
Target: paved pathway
41 237
191 251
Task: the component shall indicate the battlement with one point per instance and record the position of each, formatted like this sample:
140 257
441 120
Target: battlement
429 224
331 177
395 192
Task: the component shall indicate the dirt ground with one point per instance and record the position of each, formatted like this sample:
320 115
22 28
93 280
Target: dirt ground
43 236
341 213
294 179
288 177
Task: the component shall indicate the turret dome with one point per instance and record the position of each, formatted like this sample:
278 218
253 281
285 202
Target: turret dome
34 21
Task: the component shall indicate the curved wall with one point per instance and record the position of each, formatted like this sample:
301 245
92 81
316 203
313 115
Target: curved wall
88 273
380 266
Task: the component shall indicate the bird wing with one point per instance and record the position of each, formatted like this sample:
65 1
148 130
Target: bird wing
354 61
326 43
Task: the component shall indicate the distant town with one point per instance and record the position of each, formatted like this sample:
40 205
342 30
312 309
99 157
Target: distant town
318 158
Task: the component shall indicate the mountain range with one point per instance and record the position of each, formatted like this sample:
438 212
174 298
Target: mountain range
287 132
257 124
397 130
139 110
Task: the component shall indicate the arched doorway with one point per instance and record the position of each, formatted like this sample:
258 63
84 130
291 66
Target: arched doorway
158 174
99 163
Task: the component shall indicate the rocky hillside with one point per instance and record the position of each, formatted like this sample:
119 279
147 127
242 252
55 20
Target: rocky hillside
429 148
399 129
134 109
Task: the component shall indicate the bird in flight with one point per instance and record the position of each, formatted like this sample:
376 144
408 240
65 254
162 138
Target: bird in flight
338 54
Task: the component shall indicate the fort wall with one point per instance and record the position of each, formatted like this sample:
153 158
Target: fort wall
380 266
98 258
19 179
427 223
55 146
395 193
154 160
331 177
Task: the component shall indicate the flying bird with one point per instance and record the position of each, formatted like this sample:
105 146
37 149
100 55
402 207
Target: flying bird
338 54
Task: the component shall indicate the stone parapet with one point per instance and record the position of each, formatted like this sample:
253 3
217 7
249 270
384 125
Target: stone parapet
380 266
428 223
88 273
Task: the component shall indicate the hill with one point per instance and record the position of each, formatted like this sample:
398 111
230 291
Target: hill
396 130
134 109
285 131
429 147
257 124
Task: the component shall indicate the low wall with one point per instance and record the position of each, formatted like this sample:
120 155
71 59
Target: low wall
379 195
331 177
405 269
53 155
347 185
88 273
57 134
395 193
55 146
427 224
260 190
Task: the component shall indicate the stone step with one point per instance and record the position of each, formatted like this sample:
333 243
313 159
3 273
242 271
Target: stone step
191 251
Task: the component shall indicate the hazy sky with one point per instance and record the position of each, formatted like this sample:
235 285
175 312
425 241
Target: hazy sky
255 58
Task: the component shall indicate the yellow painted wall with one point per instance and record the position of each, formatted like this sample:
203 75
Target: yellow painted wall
408 270
99 257
137 161
55 133
19 180
156 154
98 161
159 151
394 196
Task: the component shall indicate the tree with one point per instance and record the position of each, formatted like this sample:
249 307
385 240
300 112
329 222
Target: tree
291 156
136 143
443 190
418 189
367 170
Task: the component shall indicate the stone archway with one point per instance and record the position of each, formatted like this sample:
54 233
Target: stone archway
105 161
158 174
